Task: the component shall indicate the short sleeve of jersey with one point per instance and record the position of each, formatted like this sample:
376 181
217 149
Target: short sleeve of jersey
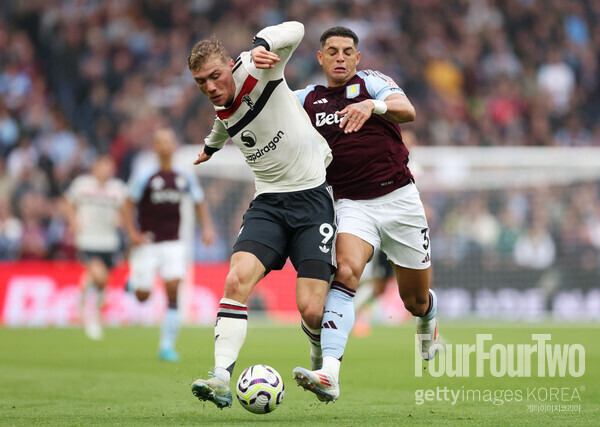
303 93
137 184
195 189
379 85
123 190
72 193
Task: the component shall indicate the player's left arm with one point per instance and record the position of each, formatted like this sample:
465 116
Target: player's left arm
273 46
398 107
68 205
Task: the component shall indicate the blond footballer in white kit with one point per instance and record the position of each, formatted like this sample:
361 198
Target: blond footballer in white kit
292 214
263 96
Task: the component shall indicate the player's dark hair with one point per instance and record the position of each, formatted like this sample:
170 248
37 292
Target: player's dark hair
339 32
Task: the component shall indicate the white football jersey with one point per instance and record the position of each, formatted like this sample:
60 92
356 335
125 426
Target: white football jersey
97 207
268 124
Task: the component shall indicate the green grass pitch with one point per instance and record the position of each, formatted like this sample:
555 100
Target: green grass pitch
58 377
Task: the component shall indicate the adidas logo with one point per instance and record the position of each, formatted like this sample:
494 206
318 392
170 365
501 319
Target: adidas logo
324 380
426 259
321 101
329 325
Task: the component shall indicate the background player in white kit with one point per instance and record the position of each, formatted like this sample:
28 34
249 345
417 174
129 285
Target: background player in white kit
377 205
292 213
152 218
93 211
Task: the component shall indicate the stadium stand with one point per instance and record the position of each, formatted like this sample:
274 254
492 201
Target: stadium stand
82 78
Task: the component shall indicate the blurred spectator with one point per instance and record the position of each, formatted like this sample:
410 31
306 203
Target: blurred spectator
573 134
9 130
510 231
34 245
82 78
556 79
535 249
15 84
11 232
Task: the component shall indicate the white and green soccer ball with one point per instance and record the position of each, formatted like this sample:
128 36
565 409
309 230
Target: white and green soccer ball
260 389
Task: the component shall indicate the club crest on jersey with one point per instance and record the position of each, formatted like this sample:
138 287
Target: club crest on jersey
180 183
248 100
248 138
353 91
157 183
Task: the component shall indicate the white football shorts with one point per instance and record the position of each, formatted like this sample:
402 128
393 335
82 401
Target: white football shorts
395 222
167 258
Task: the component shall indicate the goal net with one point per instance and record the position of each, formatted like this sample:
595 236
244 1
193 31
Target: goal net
515 232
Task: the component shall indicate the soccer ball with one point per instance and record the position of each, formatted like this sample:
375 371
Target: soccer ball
260 389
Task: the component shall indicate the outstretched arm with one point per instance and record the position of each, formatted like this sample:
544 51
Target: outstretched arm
202 157
213 142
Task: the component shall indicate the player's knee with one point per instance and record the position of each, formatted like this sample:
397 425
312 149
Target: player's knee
235 288
346 275
416 305
312 315
142 295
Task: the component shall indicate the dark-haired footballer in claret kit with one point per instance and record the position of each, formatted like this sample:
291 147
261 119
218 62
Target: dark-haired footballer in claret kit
377 202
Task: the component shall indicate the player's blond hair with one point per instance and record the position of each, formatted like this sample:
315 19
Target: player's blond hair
205 50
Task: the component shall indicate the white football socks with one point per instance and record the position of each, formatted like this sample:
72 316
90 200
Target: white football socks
230 334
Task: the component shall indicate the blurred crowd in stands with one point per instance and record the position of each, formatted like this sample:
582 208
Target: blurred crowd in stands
82 77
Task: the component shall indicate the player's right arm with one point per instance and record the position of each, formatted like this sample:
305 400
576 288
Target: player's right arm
134 235
69 211
67 205
213 142
136 188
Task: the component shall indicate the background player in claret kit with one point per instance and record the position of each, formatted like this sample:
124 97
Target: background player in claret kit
92 206
378 204
154 203
292 213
